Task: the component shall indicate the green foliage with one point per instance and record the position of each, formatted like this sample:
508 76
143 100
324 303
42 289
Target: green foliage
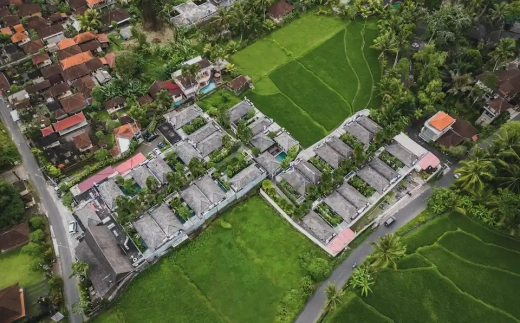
11 205
361 186
441 200
37 236
37 222
101 154
196 167
428 234
196 124
244 133
9 151
128 64
319 269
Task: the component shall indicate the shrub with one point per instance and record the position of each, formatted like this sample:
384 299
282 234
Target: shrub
319 269
37 222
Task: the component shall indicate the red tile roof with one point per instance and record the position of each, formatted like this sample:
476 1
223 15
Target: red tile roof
111 60
47 131
280 9
84 37
76 60
66 43
74 102
96 178
40 58
18 37
6 31
82 141
69 122
441 120
131 163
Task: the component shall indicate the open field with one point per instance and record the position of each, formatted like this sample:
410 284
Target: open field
15 268
457 271
236 274
313 73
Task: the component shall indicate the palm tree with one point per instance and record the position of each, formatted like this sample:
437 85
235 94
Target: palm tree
262 5
90 21
333 296
474 173
498 13
389 249
505 50
459 83
362 279
385 42
239 18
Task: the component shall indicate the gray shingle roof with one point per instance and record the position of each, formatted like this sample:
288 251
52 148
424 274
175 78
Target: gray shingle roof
401 153
262 141
186 152
246 176
309 171
159 167
210 144
202 133
140 174
85 213
340 147
109 191
318 226
285 141
383 169
268 162
179 118
166 220
197 201
352 195
296 180
329 155
260 125
239 110
341 206
150 231
373 178
368 124
359 132
210 188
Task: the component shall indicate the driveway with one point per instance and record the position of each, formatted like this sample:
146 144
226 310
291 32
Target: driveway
50 202
314 307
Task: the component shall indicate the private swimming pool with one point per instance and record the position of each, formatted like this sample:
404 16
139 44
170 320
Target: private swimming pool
208 88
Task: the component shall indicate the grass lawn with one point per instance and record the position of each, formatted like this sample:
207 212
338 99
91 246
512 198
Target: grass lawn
236 274
15 268
220 99
458 271
355 310
319 68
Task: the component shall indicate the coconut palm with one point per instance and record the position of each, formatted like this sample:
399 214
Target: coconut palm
387 251
498 13
239 18
262 5
459 83
505 51
474 173
333 296
362 279
385 42
90 21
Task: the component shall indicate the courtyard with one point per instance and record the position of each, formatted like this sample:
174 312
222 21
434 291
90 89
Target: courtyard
312 74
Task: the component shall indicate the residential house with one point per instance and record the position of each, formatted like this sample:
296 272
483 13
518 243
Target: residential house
123 136
41 60
74 73
166 220
109 191
4 83
197 201
461 130
373 178
119 15
285 141
239 84
186 152
180 118
84 85
173 89
279 9
382 168
102 76
202 133
26 10
262 141
140 174
98 4
210 189
191 13
269 163
436 126
52 34
14 237
493 109
108 264
352 195
362 129
70 124
12 304
341 206
76 60
210 144
311 173
329 155
38 87
90 182
51 70
406 150
60 90
191 85
318 227
74 103
239 111
50 140
150 231
247 178
32 47
114 105
82 142
159 168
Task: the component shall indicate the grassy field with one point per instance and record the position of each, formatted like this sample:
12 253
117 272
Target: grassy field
15 268
237 274
457 271
312 74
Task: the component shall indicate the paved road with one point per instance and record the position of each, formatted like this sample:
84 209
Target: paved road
49 204
340 275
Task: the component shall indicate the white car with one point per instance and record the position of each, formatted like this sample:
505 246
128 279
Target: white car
457 175
157 151
73 227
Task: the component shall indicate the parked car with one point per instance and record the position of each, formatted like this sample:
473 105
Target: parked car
390 221
457 175
151 136
157 151
161 145
73 227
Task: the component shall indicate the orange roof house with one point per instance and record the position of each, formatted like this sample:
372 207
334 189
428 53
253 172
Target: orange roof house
103 38
19 28
123 135
92 3
76 60
441 121
18 37
6 31
66 43
85 37
111 60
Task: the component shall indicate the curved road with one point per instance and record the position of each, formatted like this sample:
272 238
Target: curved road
49 204
314 307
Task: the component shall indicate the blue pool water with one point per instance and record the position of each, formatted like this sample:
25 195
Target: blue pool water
281 156
208 88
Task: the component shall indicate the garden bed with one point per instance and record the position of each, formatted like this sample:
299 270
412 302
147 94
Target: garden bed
361 186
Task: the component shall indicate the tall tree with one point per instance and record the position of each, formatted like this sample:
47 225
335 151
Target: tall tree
90 20
505 51
11 205
474 173
362 279
387 251
151 13
333 296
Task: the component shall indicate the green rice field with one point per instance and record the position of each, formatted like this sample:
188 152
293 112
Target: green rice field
312 74
241 272
457 270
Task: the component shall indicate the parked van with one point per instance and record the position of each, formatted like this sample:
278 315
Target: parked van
390 221
73 227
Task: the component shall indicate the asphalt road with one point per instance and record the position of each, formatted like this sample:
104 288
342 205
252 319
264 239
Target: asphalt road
49 204
314 307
